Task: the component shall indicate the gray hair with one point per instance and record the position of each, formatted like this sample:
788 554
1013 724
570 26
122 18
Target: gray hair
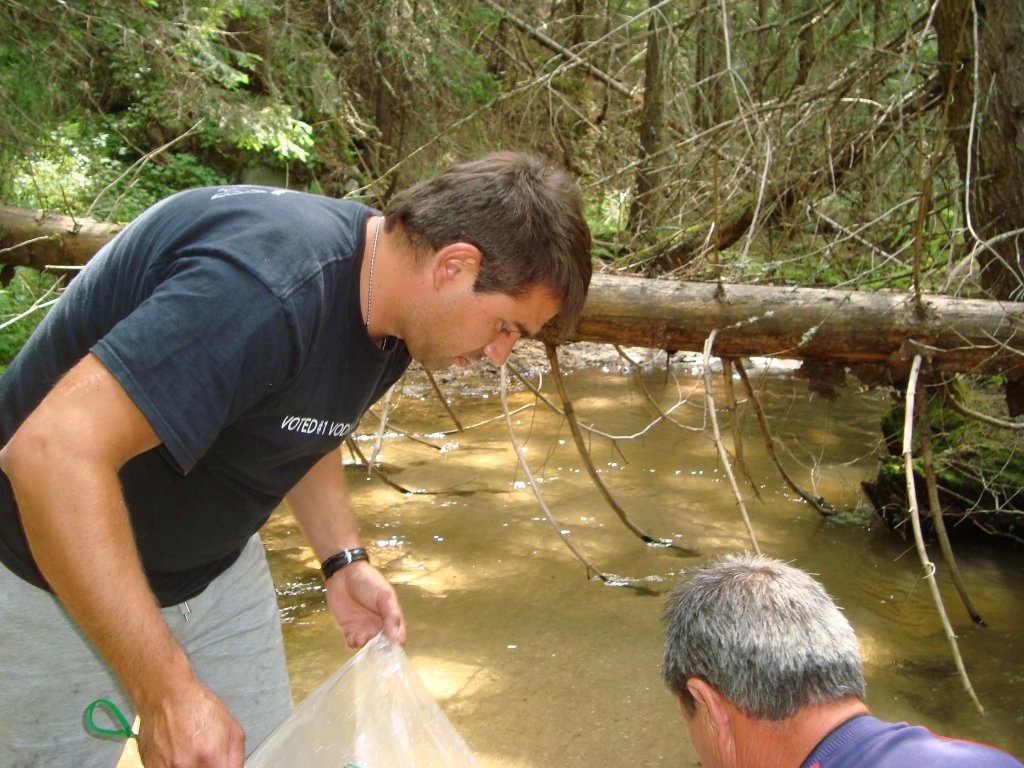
766 635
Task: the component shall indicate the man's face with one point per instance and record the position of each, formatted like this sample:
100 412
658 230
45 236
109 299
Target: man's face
465 326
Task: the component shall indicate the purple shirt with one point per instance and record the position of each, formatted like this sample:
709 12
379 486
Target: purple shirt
866 742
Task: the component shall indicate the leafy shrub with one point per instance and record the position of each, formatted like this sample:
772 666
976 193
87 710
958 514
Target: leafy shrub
21 310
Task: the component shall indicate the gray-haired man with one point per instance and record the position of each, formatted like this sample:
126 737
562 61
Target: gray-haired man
768 673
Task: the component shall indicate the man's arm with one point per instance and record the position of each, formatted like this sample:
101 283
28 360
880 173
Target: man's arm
361 599
63 465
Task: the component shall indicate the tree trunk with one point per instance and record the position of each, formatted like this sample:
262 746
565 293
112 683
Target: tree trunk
804 49
644 213
708 67
986 130
991 158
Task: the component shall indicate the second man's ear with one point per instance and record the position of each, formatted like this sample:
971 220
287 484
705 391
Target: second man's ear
710 705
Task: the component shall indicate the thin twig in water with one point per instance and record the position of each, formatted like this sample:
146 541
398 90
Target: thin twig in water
445 433
769 443
722 454
533 484
372 469
639 381
379 440
734 423
613 439
935 507
577 437
590 428
406 433
915 518
444 400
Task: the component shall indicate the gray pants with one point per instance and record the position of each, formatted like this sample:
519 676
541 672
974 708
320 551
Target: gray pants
49 673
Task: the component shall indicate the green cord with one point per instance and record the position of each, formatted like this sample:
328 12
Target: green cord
124 732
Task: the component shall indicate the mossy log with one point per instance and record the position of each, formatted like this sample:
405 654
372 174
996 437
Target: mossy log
979 471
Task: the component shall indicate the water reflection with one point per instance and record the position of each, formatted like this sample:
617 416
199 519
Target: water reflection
536 665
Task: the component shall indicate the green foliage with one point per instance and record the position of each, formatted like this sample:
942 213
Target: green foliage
828 122
77 171
24 292
60 174
136 189
271 128
607 215
465 73
130 79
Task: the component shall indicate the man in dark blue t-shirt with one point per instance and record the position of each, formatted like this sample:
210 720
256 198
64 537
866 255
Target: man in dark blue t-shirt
768 673
205 365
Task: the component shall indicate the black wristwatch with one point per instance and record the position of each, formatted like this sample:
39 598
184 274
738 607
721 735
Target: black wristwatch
336 562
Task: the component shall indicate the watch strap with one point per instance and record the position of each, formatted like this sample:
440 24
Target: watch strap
339 560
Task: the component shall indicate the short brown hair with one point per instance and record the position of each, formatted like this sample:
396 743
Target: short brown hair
525 216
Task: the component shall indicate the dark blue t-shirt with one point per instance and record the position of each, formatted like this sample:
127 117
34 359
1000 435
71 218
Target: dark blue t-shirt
866 742
231 317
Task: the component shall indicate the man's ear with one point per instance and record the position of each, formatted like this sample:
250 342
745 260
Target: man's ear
456 261
713 706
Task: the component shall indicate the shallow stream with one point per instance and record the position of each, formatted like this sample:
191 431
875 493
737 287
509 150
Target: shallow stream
536 664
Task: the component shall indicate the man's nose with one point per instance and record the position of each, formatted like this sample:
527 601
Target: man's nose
499 349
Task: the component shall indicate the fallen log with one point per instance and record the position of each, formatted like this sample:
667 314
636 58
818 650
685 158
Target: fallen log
32 239
877 331
876 334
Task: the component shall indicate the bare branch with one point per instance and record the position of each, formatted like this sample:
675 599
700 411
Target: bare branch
915 517
722 454
536 490
577 436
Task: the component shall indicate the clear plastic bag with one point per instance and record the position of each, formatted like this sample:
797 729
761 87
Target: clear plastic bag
374 712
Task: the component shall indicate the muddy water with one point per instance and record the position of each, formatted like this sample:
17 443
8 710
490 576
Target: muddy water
537 665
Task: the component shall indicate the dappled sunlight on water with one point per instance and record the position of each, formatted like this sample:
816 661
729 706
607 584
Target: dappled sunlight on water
535 663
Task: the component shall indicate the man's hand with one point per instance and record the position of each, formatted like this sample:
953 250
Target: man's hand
190 729
361 600
76 521
363 603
